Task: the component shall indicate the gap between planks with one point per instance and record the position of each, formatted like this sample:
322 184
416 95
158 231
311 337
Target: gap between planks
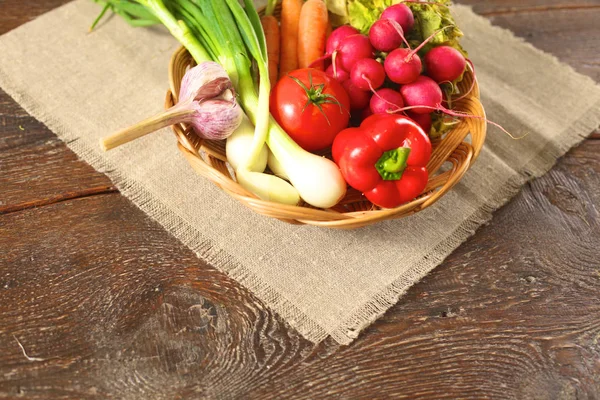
542 8
101 190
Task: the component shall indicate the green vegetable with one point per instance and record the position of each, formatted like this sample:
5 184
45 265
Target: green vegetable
363 13
226 32
429 18
440 124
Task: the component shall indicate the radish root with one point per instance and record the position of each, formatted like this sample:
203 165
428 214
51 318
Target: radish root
461 115
400 31
410 55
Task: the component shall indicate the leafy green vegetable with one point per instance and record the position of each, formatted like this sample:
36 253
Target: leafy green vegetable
363 13
430 18
440 124
231 34
339 8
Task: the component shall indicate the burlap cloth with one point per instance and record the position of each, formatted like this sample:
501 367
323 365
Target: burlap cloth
323 282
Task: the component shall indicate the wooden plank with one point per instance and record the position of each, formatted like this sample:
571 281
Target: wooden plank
568 30
510 315
122 308
497 7
18 12
37 168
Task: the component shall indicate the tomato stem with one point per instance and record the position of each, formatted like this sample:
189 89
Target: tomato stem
316 97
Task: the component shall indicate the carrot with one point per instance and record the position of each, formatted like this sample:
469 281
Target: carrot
290 16
271 28
329 30
312 29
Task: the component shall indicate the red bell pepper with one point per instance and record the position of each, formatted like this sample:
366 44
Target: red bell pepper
385 158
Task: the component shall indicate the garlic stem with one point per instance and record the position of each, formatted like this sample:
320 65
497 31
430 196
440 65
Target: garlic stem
175 114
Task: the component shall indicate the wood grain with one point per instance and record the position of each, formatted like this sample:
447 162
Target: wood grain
511 315
18 12
506 317
37 167
130 320
567 29
40 168
97 301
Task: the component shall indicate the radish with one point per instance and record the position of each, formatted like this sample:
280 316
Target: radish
424 96
386 101
401 14
386 35
367 74
404 65
423 120
337 73
359 99
354 48
333 42
444 64
422 92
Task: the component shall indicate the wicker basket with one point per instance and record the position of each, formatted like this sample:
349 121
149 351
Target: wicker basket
452 156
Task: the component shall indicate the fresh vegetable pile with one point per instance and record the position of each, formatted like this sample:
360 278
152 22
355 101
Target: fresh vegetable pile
286 92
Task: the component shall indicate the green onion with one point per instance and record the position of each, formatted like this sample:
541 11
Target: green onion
207 28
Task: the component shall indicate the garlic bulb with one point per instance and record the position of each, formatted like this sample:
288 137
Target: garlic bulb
206 101
207 90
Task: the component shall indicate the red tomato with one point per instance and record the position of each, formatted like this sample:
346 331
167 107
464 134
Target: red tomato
311 107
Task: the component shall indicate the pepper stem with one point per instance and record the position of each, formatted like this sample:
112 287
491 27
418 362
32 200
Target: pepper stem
392 163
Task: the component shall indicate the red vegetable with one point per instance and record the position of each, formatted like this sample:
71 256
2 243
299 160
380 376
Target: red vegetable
336 72
386 35
385 158
359 98
367 74
424 93
404 65
311 107
353 48
401 14
333 41
424 120
444 64
386 101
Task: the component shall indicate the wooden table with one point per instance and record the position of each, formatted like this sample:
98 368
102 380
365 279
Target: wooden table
97 301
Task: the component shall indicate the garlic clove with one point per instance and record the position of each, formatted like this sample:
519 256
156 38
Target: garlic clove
199 76
215 119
